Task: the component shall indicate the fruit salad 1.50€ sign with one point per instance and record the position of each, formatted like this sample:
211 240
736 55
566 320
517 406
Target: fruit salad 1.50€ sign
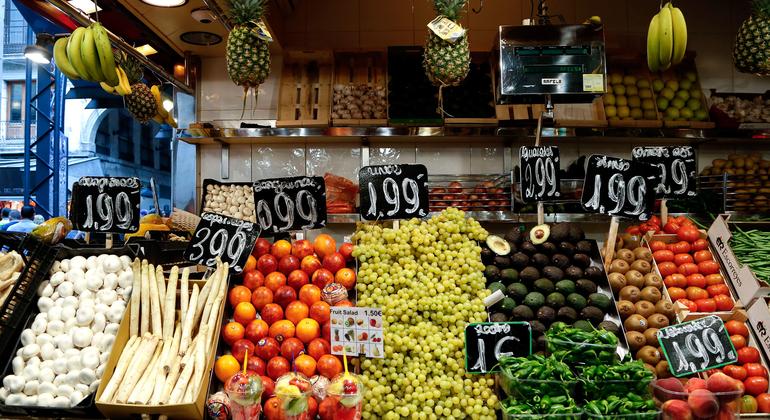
357 331
677 166
486 342
393 191
286 204
105 204
696 346
619 187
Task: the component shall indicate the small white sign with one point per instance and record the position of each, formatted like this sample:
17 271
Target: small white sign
357 331
593 82
551 82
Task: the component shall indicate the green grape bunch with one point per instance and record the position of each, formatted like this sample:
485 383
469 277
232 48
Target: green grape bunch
427 276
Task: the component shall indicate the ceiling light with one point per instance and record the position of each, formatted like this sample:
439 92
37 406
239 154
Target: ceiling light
168 105
165 3
85 6
200 38
40 53
146 50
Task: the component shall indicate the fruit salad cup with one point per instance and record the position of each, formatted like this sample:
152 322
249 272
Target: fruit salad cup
348 392
294 389
245 392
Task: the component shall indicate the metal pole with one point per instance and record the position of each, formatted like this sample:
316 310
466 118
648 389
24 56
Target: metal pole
27 120
218 13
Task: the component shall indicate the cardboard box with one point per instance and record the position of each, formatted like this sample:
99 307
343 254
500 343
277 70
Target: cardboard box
759 320
743 281
195 410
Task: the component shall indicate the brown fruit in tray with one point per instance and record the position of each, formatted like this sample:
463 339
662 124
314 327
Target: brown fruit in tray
644 308
654 280
641 266
634 278
651 335
635 322
626 255
635 340
629 293
657 321
617 282
626 308
661 370
649 354
619 266
642 253
651 294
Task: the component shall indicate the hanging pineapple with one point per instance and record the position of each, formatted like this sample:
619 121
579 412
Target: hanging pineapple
248 54
752 45
140 102
447 63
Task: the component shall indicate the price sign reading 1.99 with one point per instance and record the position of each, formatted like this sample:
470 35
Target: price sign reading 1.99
295 203
393 191
104 204
698 345
539 173
677 166
619 187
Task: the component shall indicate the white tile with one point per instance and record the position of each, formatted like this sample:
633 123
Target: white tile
444 160
387 155
240 163
277 160
342 160
487 160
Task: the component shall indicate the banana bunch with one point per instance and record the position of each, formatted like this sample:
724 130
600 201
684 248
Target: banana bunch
666 38
162 116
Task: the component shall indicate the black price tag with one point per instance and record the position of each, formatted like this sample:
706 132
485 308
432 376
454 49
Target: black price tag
294 203
228 238
393 191
619 187
698 345
539 173
678 169
486 342
105 204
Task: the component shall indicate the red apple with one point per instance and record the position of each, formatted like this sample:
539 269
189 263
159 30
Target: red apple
719 382
288 264
310 264
267 348
346 249
322 277
267 264
301 248
334 262
676 410
240 347
256 364
256 330
693 384
261 248
268 387
284 295
297 279
669 388
703 403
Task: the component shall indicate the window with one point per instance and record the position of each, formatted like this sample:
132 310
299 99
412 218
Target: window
16 101
15 30
102 140
164 154
126 137
147 145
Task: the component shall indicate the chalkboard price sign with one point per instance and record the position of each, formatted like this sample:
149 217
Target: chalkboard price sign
619 187
393 191
228 238
539 173
286 204
698 345
677 166
105 204
486 342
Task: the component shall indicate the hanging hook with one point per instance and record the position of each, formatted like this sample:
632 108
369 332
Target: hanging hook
481 7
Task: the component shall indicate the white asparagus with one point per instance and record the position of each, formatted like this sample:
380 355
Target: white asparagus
188 322
145 300
120 368
133 327
160 278
199 363
204 294
184 295
213 293
163 354
148 378
174 350
173 378
157 327
170 304
138 365
160 382
184 379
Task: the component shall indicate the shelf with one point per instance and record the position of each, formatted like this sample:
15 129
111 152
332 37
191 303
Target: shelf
495 216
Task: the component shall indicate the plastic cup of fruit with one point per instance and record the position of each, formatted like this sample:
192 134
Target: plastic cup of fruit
294 389
333 293
245 393
348 393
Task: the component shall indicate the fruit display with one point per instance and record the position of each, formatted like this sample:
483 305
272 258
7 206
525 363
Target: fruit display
747 188
756 110
244 389
446 62
679 96
359 101
483 193
750 54
629 97
717 397
666 38
427 277
11 265
233 200
747 248
294 390
549 273
87 54
347 392
65 347
247 52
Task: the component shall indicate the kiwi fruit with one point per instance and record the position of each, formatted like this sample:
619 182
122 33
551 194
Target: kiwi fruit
642 253
651 293
635 322
654 280
617 282
644 308
635 340
649 355
657 321
651 335
650 367
629 293
630 241
619 266
626 255
661 370
665 308
626 308
641 266
634 278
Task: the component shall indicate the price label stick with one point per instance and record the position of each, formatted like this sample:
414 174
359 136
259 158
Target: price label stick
108 241
540 207
540 213
609 247
664 211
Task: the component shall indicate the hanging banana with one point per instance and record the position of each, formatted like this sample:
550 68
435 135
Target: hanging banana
666 38
74 44
106 57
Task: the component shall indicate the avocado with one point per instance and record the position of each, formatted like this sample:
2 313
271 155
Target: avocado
492 273
539 234
534 300
548 248
546 315
573 273
498 317
599 300
517 291
581 260
528 248
498 245
519 260
595 274
584 325
487 256
540 260
576 233
553 273
584 247
566 314
496 285
538 328
610 326
585 287
576 301
529 274
565 287
567 248
509 275
592 314
559 232
523 313
544 286
507 305
560 260
555 300
515 235
502 262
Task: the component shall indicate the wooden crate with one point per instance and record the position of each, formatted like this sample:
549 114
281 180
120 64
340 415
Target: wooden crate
305 93
687 65
565 115
360 68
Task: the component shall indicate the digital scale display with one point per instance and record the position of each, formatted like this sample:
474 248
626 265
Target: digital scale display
553 69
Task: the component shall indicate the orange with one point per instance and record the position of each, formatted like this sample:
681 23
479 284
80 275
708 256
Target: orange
281 248
307 330
275 280
232 332
261 297
312 407
329 366
318 347
328 408
273 409
244 313
239 294
346 277
251 264
296 311
320 311
282 329
324 245
305 364
225 367
309 294
344 302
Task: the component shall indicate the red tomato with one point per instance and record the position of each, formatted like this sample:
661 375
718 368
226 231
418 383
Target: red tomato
691 306
712 279
706 305
688 233
663 255
763 401
700 245
734 327
749 355
708 267
736 372
680 247
654 220
680 259
688 268
755 369
675 280
696 280
633 230
667 268
676 293
724 302
755 385
703 255
657 246
717 289
695 293
671 227
739 342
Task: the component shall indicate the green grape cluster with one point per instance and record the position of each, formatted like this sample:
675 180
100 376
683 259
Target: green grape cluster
427 278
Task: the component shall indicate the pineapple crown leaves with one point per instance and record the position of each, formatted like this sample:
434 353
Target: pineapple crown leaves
247 12
453 9
761 8
131 66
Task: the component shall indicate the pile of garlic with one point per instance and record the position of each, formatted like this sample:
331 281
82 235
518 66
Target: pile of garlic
359 101
744 110
231 200
65 350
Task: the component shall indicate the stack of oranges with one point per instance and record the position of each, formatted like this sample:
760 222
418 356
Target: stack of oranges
278 314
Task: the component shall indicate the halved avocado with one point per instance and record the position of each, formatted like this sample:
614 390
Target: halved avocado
498 245
539 234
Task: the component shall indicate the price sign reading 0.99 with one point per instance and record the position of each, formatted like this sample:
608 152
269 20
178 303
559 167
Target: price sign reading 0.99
228 238
698 345
295 203
677 166
104 204
619 187
539 173
393 191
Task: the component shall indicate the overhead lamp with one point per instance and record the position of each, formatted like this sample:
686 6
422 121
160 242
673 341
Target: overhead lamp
146 50
165 3
85 6
168 105
40 53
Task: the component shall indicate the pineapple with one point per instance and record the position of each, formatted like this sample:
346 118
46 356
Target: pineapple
752 45
447 63
140 103
248 56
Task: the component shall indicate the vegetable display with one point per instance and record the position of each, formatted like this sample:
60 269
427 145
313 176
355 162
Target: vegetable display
564 406
631 407
576 346
536 376
601 381
11 265
751 248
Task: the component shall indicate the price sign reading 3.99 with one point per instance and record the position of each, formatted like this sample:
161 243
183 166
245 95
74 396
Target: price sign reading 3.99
295 203
539 173
393 191
221 236
619 187
698 345
677 166
104 204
